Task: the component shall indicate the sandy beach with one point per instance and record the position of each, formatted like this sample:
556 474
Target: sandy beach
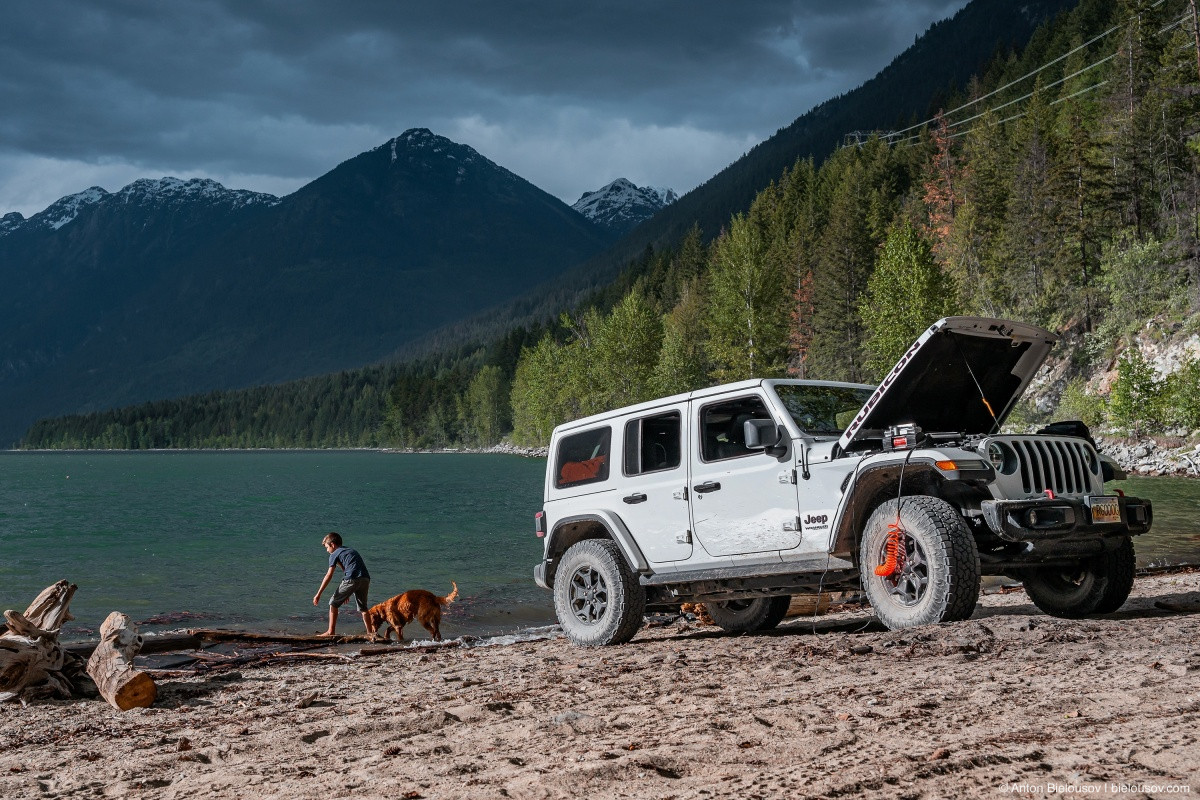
1009 703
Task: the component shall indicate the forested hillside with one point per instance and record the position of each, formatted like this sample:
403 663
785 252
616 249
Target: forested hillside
1061 188
169 288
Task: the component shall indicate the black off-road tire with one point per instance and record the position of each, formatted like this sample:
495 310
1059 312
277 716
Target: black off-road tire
1122 564
776 612
1098 585
741 616
597 598
939 580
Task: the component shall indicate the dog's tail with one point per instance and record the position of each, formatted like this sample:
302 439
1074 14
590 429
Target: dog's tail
450 598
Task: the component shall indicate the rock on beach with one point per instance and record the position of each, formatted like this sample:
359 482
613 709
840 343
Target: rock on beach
1149 456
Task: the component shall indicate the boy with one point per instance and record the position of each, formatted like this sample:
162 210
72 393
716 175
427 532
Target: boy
355 580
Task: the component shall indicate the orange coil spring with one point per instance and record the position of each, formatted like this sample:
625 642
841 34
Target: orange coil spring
894 550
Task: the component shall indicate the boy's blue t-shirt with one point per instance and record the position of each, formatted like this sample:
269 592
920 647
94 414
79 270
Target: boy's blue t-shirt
351 563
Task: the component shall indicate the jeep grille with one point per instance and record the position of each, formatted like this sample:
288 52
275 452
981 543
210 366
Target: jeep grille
1060 465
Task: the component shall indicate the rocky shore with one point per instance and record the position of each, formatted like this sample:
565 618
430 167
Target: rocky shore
1150 456
1009 703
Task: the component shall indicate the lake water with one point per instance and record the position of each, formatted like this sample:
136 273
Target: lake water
234 538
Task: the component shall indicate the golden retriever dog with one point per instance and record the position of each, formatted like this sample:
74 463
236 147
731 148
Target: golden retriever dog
425 607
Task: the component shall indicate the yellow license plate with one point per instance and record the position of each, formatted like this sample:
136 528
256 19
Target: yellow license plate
1105 509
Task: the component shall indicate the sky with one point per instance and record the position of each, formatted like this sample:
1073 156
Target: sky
268 95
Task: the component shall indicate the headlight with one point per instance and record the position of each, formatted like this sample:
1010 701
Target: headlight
1002 457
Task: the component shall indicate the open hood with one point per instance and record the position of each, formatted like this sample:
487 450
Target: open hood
963 375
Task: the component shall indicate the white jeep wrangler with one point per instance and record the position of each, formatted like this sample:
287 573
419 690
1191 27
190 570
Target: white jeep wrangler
740 495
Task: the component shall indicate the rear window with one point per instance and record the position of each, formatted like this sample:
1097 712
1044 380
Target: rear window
582 458
652 443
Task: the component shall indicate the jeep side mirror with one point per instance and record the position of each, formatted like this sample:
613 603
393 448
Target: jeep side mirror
760 434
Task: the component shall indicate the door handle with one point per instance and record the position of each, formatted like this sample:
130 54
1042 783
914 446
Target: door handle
635 498
706 487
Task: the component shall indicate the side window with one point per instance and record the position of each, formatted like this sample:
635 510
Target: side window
583 458
652 443
722 427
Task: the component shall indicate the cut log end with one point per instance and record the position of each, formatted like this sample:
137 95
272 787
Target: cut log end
139 692
111 665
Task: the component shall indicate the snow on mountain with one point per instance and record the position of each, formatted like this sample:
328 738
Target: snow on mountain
10 222
416 141
145 191
621 206
423 149
65 209
175 190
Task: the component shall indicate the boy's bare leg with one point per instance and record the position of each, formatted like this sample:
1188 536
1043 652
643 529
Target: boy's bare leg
330 631
367 625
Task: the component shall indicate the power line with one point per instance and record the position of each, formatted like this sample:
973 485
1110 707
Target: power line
1011 83
1165 29
892 137
1048 64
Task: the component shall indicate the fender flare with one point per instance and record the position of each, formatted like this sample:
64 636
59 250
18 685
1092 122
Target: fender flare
861 495
577 527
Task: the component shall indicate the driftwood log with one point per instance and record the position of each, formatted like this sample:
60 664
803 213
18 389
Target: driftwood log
168 643
111 665
223 635
32 662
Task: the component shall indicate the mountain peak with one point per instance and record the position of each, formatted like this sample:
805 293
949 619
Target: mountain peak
144 191
11 221
622 205
168 190
65 209
423 142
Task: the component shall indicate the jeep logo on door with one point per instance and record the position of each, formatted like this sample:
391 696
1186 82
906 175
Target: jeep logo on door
817 521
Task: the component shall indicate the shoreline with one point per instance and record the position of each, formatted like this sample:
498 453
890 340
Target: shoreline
1146 457
500 449
1009 703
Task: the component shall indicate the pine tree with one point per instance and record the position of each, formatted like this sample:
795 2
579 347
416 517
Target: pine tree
749 292
1032 239
905 294
623 354
940 189
1129 140
970 257
845 257
485 407
683 361
538 386
1136 402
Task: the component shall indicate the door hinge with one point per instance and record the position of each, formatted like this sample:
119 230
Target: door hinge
680 494
792 525
683 538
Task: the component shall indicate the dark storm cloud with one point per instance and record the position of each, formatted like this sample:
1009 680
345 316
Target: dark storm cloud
271 94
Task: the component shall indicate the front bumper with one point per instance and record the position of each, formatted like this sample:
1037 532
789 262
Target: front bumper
1062 518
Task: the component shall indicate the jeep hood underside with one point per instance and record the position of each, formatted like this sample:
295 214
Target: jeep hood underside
963 375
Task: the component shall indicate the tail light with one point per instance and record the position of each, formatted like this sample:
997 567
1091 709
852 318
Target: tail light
539 524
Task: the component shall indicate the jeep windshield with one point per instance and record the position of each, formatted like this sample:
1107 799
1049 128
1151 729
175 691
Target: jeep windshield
822 410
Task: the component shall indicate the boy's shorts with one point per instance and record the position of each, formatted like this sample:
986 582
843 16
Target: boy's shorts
356 587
